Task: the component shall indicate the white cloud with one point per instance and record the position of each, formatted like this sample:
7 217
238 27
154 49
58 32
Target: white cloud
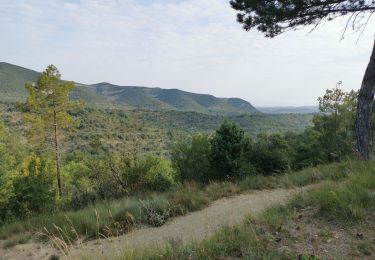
195 45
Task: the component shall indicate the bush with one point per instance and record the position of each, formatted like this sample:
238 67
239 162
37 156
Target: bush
228 152
271 154
33 191
156 211
124 176
160 176
104 184
191 159
307 147
77 184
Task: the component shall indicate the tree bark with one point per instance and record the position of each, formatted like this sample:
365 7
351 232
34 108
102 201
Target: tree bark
57 157
364 110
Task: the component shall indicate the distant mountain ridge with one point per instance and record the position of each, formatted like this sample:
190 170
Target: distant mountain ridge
13 79
289 110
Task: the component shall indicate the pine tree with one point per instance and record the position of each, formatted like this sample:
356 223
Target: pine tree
46 109
273 17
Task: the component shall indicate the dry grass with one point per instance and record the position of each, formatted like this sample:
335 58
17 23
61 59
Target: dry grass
112 218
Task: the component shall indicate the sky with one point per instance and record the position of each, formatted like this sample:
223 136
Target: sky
192 45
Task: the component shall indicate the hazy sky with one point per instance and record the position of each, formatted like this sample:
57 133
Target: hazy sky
193 45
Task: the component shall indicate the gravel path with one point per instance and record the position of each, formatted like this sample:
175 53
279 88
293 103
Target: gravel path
193 226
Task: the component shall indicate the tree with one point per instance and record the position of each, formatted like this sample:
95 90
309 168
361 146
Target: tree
273 17
306 148
46 108
335 123
271 154
227 150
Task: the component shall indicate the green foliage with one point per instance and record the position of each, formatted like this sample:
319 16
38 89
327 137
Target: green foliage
96 172
271 154
156 211
336 123
8 163
116 216
119 175
2 130
307 148
32 190
351 200
113 130
46 109
78 183
159 173
275 17
47 105
191 159
227 149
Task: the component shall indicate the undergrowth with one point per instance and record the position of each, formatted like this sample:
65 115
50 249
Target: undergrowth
111 218
344 204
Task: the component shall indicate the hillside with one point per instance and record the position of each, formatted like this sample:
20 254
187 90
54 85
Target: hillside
289 110
12 81
106 95
156 131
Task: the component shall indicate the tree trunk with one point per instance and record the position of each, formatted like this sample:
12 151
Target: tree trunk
57 157
364 110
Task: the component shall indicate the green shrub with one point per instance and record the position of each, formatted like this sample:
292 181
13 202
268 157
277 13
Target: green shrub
229 151
271 154
33 190
128 176
191 159
104 184
307 148
78 186
160 176
156 211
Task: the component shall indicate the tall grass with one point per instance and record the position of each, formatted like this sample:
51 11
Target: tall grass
333 171
243 241
345 202
349 201
119 216
114 217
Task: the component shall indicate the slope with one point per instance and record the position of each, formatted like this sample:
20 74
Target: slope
106 95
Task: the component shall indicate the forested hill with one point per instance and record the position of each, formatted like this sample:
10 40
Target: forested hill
289 110
105 95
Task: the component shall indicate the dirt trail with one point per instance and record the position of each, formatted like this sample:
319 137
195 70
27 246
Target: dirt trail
193 226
